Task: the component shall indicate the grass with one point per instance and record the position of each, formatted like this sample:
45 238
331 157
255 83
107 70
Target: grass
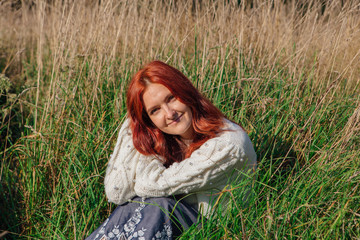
288 73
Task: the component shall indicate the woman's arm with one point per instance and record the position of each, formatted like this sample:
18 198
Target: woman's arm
208 167
120 172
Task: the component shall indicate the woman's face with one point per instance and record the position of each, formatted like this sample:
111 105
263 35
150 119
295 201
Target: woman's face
166 112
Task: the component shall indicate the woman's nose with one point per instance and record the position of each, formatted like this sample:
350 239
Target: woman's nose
170 113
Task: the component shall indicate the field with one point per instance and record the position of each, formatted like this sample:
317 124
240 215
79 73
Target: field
287 71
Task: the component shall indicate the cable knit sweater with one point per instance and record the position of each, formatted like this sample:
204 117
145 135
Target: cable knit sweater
206 171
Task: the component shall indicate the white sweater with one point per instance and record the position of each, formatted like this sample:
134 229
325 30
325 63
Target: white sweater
206 171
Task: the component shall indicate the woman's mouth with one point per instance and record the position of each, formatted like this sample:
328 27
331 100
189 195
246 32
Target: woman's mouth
176 120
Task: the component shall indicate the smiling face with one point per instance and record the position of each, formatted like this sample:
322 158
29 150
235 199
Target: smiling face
166 112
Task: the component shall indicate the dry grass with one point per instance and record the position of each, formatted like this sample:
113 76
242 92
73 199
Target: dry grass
296 35
302 37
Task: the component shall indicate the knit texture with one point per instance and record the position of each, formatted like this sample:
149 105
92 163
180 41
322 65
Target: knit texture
120 173
208 170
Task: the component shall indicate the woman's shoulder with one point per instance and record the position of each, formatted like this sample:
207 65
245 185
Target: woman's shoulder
125 131
232 143
233 133
126 124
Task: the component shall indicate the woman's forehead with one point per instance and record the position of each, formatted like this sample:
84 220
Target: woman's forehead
154 94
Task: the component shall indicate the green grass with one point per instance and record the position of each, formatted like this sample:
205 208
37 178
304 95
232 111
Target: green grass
307 182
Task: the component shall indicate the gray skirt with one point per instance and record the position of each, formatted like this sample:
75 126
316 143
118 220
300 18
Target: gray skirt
143 219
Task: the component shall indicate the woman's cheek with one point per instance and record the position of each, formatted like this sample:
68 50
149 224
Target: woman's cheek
157 121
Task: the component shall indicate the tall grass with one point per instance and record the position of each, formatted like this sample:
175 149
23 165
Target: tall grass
288 72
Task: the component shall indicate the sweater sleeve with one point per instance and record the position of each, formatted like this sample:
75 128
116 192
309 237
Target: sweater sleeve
207 168
120 172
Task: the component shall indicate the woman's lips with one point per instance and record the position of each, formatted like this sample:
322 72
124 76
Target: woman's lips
176 120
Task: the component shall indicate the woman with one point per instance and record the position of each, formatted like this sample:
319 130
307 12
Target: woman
174 144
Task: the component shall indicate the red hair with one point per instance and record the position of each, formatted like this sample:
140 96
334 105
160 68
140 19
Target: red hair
207 120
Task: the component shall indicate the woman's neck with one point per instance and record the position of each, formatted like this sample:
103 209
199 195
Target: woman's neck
186 142
183 143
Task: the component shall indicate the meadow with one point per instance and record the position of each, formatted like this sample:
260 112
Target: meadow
287 71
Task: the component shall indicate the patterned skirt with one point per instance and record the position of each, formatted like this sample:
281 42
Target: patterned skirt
143 219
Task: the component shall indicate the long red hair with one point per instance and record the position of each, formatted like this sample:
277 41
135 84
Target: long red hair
207 120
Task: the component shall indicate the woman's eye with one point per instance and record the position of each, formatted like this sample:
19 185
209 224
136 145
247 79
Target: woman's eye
154 111
171 97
